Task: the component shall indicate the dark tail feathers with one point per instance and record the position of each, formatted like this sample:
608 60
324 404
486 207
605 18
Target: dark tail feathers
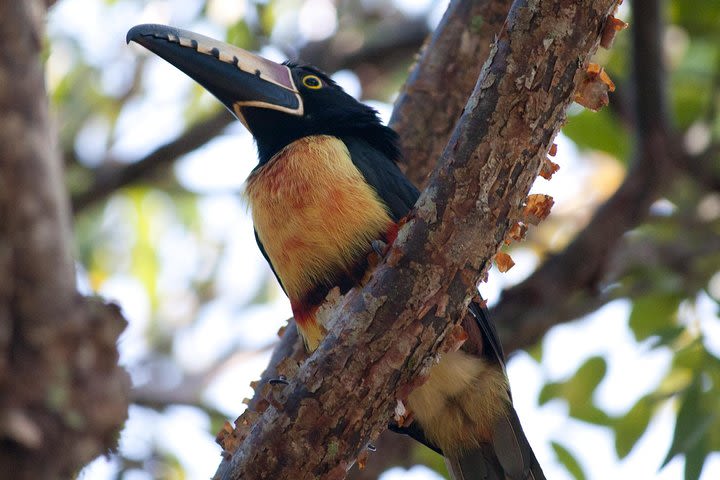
508 457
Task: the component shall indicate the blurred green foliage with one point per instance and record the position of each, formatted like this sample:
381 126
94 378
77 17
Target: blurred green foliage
566 458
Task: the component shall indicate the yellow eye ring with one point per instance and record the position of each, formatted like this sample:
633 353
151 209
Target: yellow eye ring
312 81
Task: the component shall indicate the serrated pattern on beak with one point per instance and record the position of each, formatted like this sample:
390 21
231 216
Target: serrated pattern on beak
246 62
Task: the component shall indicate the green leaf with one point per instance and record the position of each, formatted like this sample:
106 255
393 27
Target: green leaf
599 131
668 336
653 313
569 461
694 461
536 352
630 427
145 261
692 356
240 35
579 387
587 412
692 83
582 385
693 421
578 391
550 391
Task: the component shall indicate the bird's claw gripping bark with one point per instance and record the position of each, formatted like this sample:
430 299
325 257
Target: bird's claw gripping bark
379 247
280 380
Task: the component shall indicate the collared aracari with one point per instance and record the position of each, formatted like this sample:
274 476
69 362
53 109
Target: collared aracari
325 188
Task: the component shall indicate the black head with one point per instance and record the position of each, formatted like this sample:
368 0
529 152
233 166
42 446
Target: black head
277 103
327 110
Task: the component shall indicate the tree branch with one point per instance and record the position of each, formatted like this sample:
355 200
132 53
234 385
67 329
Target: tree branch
629 257
112 175
385 46
525 312
459 26
189 390
383 336
59 380
435 93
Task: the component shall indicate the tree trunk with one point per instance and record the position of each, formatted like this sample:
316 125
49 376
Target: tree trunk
62 395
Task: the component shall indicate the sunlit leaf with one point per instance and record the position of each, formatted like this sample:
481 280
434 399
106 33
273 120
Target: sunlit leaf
694 461
693 421
578 391
239 34
652 313
599 131
691 356
630 427
569 461
423 455
145 262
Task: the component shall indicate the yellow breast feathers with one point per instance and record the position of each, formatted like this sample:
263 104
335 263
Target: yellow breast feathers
314 212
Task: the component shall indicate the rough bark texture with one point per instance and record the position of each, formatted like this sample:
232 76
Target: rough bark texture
438 87
386 334
526 311
62 395
443 82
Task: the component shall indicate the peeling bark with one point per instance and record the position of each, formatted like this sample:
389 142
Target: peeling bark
62 395
460 24
388 333
528 310
435 93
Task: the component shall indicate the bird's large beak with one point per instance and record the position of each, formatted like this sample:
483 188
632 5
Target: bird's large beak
236 77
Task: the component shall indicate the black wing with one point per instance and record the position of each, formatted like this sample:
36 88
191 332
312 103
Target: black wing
490 335
400 196
262 250
384 176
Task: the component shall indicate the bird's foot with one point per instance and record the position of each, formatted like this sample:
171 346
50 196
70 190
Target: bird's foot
280 380
403 415
380 247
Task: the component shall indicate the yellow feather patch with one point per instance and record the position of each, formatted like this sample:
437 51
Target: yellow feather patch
314 213
460 402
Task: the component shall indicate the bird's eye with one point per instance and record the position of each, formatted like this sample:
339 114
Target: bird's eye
312 81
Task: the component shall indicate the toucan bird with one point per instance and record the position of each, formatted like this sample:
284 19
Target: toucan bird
325 188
